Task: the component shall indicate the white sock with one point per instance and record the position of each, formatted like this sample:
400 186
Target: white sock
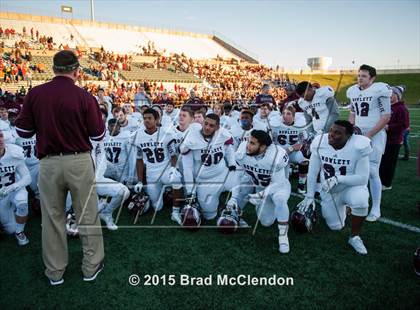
376 194
19 228
283 228
175 209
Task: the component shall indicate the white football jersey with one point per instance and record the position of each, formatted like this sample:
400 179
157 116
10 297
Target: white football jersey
209 155
339 162
155 149
12 158
118 150
261 167
132 125
367 105
317 108
286 136
29 149
239 135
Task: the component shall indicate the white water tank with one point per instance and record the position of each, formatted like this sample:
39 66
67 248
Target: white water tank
319 63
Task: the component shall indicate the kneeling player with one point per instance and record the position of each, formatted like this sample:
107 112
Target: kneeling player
156 152
14 177
343 160
264 164
290 138
208 163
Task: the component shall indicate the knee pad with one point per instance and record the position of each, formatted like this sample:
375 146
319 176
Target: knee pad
209 215
373 170
22 209
124 193
303 168
361 211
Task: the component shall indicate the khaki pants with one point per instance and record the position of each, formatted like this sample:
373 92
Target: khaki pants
57 175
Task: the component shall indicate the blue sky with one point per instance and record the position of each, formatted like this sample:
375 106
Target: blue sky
380 33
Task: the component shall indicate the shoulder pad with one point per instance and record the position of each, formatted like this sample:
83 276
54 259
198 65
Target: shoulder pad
325 92
362 144
15 151
382 89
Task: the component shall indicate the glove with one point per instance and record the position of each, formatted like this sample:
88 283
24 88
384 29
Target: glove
138 187
328 184
232 203
305 203
232 168
190 199
256 198
4 191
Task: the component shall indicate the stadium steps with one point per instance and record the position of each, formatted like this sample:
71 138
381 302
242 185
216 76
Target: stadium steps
157 75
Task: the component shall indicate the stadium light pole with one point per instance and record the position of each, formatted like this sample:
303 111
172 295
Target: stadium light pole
92 11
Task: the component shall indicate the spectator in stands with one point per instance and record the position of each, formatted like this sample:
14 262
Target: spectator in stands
104 100
398 123
265 96
194 102
141 98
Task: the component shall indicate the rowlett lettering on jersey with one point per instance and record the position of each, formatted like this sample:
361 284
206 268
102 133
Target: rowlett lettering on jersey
7 169
213 150
362 99
257 170
335 161
151 144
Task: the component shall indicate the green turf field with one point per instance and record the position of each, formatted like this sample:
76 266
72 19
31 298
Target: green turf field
411 81
327 273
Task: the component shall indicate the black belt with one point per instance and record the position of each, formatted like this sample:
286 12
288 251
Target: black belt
65 153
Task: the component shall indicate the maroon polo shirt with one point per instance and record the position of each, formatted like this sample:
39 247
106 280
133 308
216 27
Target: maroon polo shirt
62 115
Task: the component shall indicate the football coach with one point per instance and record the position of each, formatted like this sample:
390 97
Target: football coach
65 118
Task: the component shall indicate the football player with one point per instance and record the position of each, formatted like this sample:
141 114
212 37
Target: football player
170 110
242 129
342 159
129 124
120 154
156 153
264 164
32 162
290 138
14 177
371 112
319 106
208 164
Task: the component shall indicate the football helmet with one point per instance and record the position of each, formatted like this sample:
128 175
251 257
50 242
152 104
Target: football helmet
306 148
417 261
190 213
229 219
71 225
139 204
304 217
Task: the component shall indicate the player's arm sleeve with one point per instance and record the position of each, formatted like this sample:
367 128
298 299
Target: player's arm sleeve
188 168
24 175
94 123
384 105
24 123
333 113
360 176
230 154
313 170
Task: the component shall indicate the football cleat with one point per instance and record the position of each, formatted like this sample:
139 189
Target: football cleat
176 217
229 219
71 225
417 261
93 277
304 217
109 221
372 218
357 244
21 238
284 244
190 213
139 204
55 283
